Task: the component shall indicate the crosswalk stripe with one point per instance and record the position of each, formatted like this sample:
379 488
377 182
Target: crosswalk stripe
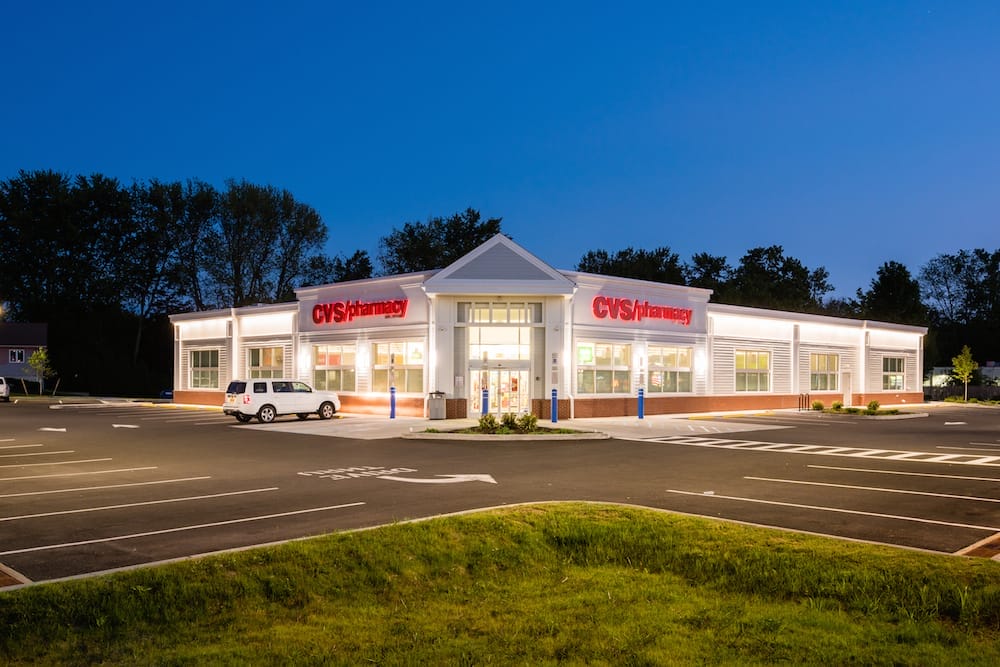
829 450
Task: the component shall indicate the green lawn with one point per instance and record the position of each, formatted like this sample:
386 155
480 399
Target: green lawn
546 584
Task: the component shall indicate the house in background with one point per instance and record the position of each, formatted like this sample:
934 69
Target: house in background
18 341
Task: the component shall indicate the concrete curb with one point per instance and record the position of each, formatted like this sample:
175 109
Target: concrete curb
910 415
507 437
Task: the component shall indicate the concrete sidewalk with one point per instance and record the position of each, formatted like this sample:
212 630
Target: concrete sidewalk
375 427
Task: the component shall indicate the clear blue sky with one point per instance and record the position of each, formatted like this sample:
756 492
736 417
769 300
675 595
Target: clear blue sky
851 133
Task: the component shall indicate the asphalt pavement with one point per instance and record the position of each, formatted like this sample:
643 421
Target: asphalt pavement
99 485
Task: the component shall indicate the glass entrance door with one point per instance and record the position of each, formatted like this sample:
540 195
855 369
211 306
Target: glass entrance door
509 391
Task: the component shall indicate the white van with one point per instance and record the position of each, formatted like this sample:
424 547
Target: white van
267 398
4 390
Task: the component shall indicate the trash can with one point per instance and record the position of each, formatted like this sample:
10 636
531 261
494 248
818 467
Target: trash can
436 405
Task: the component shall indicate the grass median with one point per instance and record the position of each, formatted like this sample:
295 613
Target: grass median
543 584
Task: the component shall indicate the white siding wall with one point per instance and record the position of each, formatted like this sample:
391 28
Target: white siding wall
848 362
185 361
241 366
911 369
724 364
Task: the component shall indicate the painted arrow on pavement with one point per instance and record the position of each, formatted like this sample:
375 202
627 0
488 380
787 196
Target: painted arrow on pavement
443 479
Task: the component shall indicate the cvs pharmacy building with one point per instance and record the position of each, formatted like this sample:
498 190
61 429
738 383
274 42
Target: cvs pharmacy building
501 319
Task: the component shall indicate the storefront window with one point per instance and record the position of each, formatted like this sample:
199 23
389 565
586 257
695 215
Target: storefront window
204 369
496 344
266 362
892 373
603 368
824 372
334 367
753 370
514 312
669 369
398 364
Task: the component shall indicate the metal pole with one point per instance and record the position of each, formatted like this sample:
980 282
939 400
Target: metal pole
392 385
486 401
641 401
555 406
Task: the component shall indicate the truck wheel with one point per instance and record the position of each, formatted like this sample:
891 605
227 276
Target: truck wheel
327 411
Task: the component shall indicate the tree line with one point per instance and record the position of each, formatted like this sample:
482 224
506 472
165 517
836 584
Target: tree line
955 295
104 263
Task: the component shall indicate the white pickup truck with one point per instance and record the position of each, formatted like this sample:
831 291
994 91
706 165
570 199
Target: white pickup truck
4 390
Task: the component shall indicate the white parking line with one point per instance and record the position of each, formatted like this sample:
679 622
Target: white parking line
873 488
105 486
878 471
14 456
52 463
837 510
141 504
180 417
21 446
76 474
166 531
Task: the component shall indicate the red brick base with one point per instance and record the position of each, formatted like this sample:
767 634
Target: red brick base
626 406
862 400
192 397
406 406
542 408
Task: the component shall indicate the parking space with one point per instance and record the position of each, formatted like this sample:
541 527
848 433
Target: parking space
93 488
133 412
928 493
85 490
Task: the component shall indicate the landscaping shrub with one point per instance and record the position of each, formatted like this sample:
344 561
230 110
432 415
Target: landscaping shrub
488 424
509 421
817 406
838 405
527 423
872 408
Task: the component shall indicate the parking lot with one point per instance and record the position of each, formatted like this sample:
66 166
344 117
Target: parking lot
95 487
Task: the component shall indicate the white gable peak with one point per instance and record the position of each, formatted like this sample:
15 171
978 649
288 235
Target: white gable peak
499 266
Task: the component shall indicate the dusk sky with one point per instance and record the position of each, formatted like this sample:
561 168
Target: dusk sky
851 133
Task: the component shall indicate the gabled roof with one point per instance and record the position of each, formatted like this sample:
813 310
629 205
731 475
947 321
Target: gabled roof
499 266
28 334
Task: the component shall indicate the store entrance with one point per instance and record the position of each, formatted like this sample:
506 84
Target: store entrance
509 391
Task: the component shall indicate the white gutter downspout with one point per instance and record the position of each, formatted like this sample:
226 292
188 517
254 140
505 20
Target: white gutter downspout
234 346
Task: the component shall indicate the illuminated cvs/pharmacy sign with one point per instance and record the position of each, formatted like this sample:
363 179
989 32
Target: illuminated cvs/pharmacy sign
634 310
340 312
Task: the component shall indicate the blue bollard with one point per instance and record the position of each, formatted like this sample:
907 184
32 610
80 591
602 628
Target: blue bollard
486 401
641 401
555 406
392 402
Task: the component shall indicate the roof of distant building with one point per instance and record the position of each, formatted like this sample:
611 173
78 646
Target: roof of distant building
23 333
